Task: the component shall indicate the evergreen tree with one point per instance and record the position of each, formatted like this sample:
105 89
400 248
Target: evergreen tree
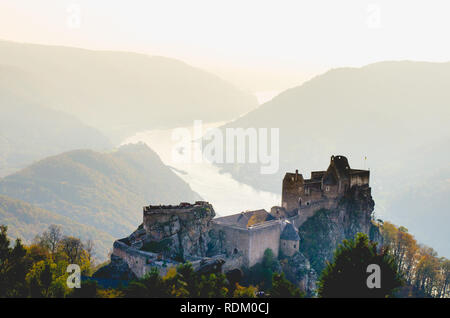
13 267
282 288
347 275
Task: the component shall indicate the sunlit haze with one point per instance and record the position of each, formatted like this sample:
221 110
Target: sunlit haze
260 46
225 149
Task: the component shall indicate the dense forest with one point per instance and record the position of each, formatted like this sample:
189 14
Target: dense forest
39 270
425 273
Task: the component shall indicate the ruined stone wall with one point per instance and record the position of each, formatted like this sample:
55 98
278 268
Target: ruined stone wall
234 243
244 247
359 179
140 262
262 237
297 196
331 191
310 196
306 211
291 191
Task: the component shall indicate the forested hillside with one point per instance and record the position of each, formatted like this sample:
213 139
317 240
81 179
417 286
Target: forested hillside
25 221
105 191
30 131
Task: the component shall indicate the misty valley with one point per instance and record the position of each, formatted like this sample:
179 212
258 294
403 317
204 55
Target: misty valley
160 179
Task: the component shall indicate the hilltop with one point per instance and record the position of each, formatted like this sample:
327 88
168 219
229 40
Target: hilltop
30 131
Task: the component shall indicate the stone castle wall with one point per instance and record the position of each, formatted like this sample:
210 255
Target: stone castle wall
244 247
330 184
359 179
306 211
235 244
262 237
140 262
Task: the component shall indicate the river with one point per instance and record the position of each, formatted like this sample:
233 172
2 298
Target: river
227 195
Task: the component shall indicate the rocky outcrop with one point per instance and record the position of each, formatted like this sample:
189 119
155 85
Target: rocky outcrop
323 230
117 269
210 266
168 236
321 233
298 270
181 229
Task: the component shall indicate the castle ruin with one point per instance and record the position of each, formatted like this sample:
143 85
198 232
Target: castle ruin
189 232
245 237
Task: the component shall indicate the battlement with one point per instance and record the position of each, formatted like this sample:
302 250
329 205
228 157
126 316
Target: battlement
299 193
183 206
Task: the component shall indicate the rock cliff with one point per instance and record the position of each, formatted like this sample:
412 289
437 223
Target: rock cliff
182 230
321 233
298 270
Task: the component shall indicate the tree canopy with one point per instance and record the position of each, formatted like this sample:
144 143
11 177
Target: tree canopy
347 275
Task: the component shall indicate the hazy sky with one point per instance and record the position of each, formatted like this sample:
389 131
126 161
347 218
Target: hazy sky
258 45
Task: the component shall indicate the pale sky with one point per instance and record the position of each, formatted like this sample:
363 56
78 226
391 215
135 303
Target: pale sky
258 45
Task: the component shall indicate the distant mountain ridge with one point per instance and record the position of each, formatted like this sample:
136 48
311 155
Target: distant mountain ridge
120 92
30 131
105 191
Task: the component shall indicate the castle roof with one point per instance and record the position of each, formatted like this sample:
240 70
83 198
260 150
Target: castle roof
246 219
289 233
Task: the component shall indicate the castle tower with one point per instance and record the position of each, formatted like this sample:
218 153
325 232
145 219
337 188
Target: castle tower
299 193
292 191
289 240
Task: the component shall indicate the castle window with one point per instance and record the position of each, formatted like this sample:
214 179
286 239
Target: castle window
295 246
235 251
327 188
307 203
